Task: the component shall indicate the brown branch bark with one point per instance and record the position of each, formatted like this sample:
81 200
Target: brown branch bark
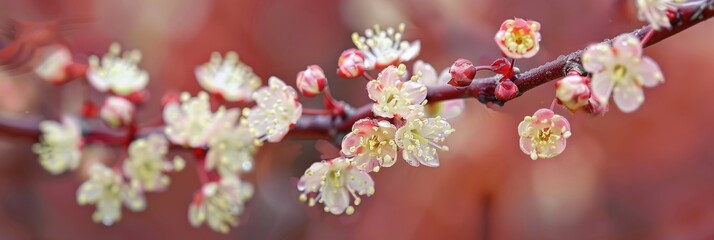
481 89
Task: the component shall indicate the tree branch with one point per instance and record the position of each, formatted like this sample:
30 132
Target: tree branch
482 89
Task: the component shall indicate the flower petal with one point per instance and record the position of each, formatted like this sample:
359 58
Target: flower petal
597 57
602 86
627 46
649 72
628 96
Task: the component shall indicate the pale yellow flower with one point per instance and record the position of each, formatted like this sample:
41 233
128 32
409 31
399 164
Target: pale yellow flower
106 189
220 203
60 145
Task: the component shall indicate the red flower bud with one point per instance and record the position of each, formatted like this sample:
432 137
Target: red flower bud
506 90
503 66
351 63
462 73
311 81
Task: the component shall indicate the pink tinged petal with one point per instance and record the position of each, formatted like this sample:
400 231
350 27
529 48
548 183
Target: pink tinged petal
365 162
627 46
649 73
428 73
360 182
336 200
602 86
389 156
411 52
444 77
526 145
597 57
628 96
452 108
416 92
544 114
312 179
374 90
389 77
351 144
560 123
523 127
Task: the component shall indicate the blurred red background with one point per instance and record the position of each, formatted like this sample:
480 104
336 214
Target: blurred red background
645 175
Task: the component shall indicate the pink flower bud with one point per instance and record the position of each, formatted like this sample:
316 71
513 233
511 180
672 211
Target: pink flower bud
573 91
506 90
351 63
117 111
462 73
311 81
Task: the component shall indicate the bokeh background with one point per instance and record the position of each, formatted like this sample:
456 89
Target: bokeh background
645 175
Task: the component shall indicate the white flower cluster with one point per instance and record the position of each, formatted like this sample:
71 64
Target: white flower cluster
405 126
231 139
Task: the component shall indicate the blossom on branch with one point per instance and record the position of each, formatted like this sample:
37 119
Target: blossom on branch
371 144
334 181
394 97
220 203
147 163
655 12
622 71
115 73
277 110
384 48
60 145
191 123
427 75
544 134
231 150
518 38
573 91
228 77
420 138
106 189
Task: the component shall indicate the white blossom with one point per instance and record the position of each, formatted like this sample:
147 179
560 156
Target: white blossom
192 123
147 163
394 97
231 151
420 138
228 77
383 48
371 144
106 189
332 183
276 110
220 203
60 145
115 73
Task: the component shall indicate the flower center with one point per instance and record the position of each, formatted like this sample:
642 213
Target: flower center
619 72
518 41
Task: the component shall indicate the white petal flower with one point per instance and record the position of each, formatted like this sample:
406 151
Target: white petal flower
655 12
334 182
220 203
394 97
276 110
106 189
420 138
231 151
544 134
60 145
621 70
118 74
229 77
371 143
427 75
384 48
147 163
191 123
53 66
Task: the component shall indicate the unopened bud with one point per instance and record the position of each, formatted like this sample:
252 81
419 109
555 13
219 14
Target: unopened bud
462 73
117 111
311 81
351 63
573 91
506 90
503 66
55 60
